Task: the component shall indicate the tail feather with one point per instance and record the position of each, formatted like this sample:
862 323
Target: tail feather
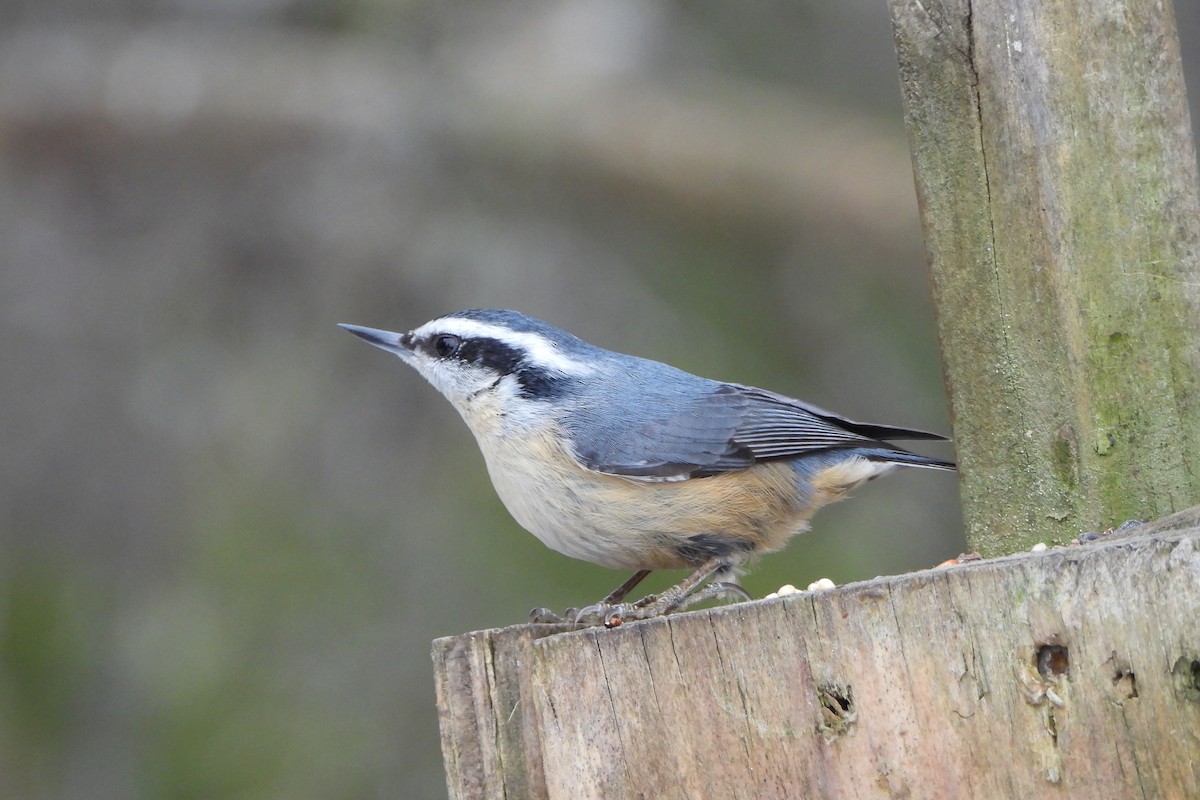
895 455
871 430
889 432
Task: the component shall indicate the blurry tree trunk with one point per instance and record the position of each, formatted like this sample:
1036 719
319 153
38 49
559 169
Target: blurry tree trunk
1057 183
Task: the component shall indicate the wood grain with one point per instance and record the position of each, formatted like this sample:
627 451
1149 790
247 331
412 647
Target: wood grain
1056 177
1075 670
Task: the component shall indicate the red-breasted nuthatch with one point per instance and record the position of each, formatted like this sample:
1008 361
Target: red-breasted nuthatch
633 464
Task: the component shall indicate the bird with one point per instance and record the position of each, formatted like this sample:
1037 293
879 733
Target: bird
633 464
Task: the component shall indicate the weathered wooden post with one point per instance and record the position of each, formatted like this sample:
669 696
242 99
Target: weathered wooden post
1076 670
1056 176
1058 190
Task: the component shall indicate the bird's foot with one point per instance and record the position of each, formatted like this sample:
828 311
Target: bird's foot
610 612
721 590
611 615
544 616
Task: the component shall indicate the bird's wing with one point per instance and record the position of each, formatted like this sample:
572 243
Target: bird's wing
726 428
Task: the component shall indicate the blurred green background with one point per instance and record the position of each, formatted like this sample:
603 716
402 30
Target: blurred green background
229 529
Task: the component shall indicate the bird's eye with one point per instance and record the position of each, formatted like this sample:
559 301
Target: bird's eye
446 345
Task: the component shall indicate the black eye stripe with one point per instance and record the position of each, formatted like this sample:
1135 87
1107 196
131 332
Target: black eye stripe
501 358
492 354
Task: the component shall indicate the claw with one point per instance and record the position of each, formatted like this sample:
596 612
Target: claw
544 616
716 591
591 615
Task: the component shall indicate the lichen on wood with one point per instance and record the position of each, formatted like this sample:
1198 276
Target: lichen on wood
1056 176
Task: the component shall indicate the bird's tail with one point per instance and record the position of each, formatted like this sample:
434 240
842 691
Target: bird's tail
896 455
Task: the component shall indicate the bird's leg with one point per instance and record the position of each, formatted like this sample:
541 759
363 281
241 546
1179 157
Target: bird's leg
724 584
673 598
618 594
594 614
716 591
596 610
680 595
611 612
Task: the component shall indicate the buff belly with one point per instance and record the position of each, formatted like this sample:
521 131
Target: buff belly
635 524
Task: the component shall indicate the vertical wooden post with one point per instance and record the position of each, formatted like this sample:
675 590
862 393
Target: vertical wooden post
1057 182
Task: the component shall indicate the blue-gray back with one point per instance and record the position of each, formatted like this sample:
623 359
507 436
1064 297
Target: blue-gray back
647 419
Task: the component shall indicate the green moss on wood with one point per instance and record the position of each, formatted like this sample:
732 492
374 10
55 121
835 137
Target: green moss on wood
1058 195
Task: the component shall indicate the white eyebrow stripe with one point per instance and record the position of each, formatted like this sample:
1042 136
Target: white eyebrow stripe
541 350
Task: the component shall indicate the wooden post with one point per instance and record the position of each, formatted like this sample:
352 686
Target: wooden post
490 740
1057 182
1077 669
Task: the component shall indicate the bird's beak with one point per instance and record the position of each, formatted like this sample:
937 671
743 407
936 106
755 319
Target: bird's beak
397 343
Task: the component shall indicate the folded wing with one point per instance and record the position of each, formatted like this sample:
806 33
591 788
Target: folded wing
732 427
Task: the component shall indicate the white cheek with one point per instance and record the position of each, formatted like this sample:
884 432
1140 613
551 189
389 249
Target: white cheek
499 411
455 383
437 374
489 406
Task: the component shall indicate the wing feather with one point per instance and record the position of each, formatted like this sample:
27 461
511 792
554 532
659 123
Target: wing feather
727 427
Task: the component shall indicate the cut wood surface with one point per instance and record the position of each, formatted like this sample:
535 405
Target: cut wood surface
1075 670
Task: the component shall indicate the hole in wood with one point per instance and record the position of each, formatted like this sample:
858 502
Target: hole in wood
837 710
1185 676
1128 680
1052 661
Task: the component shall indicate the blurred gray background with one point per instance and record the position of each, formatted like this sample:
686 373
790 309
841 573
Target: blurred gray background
230 530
